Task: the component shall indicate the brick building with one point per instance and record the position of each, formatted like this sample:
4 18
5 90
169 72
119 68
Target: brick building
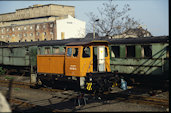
40 22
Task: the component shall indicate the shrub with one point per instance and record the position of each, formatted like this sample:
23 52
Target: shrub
2 71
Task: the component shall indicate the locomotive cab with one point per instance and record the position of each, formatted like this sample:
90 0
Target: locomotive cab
87 57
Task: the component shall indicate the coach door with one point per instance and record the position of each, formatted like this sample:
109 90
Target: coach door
99 58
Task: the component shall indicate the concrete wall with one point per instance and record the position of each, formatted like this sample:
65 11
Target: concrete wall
38 11
70 28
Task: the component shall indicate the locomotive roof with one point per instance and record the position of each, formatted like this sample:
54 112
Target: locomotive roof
87 42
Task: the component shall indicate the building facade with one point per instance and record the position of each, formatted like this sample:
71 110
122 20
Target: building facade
41 22
134 33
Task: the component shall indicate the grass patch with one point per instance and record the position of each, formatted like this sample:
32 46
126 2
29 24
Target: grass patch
9 78
16 89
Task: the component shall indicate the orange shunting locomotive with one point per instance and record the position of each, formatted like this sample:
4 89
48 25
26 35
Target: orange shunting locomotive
87 63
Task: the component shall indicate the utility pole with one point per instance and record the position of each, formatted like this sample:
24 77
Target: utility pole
94 28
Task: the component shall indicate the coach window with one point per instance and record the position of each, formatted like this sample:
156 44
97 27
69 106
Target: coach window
146 51
56 50
75 52
63 49
130 51
69 51
39 51
47 50
86 52
115 51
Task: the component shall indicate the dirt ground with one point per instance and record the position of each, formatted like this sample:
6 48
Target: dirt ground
66 100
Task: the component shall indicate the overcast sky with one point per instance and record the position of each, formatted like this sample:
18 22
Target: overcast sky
153 14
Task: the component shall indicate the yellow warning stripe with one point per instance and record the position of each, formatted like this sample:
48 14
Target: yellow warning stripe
89 86
114 84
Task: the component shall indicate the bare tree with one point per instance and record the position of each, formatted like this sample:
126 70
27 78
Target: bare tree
110 20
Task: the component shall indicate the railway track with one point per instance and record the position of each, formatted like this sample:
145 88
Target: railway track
26 85
108 96
153 101
20 105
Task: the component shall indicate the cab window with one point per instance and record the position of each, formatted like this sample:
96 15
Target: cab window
69 52
75 52
106 52
86 52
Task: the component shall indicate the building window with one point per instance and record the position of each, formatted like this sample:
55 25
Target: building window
37 27
2 36
51 33
130 51
115 51
13 29
44 33
31 34
25 34
7 36
25 28
2 30
86 52
75 52
51 25
44 26
20 35
13 35
69 51
146 51
37 33
31 27
19 28
7 29
56 50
